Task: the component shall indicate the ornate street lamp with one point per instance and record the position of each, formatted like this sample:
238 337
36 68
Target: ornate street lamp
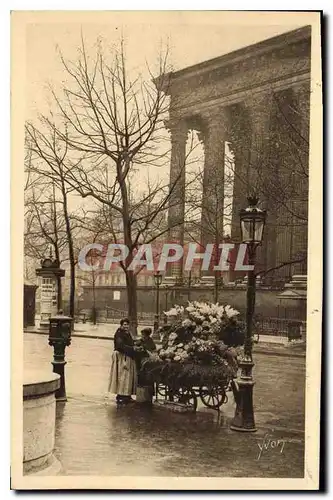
252 220
158 281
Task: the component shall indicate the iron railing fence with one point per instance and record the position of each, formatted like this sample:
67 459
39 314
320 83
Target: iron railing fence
289 327
280 327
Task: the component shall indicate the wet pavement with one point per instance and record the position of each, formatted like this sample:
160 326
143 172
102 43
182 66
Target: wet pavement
94 437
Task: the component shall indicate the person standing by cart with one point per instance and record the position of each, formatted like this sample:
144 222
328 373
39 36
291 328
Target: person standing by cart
146 342
148 346
123 372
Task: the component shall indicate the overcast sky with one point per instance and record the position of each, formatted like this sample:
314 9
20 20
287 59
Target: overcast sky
192 37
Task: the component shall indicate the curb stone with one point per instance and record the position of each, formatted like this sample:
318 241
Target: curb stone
278 350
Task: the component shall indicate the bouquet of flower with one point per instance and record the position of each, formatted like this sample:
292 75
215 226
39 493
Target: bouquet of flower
204 320
202 333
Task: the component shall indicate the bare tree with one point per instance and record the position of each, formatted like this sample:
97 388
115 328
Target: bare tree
44 225
113 126
49 156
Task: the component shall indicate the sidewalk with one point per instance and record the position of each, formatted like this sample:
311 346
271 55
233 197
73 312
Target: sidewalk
94 437
268 344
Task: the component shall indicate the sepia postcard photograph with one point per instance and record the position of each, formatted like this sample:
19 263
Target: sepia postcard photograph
166 172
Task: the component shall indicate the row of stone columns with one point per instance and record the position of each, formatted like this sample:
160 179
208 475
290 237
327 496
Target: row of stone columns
253 166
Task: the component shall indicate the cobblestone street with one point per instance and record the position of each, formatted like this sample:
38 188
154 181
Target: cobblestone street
96 438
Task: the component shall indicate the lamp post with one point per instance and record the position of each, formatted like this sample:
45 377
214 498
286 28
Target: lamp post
158 281
252 221
165 317
189 286
60 331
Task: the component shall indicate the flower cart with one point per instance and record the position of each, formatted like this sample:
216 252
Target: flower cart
198 358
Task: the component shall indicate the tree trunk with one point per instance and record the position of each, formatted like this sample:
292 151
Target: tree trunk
131 281
216 273
72 289
131 288
56 250
59 284
70 251
59 294
216 288
94 312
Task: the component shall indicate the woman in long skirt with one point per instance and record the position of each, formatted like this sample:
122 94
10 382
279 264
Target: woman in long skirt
123 373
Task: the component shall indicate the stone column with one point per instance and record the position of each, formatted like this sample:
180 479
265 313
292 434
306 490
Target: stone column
300 204
179 132
260 172
302 97
214 136
240 193
292 154
241 133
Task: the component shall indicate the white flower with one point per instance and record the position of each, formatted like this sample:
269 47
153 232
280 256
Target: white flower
177 358
214 309
190 309
173 336
204 309
175 311
215 327
220 312
170 350
171 312
230 312
187 323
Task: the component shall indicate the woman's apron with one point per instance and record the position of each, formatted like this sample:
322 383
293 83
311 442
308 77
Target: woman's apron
123 375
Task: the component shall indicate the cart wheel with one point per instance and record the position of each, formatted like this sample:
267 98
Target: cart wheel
187 397
161 390
213 397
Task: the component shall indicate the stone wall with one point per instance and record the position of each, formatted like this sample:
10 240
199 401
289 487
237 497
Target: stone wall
268 302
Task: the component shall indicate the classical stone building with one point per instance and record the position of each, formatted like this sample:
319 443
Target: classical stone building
256 99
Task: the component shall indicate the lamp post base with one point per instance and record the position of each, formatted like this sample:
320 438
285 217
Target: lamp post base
156 328
243 420
59 368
